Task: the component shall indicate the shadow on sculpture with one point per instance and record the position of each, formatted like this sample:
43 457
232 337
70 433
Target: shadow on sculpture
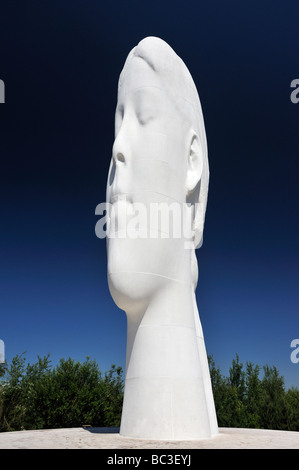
159 160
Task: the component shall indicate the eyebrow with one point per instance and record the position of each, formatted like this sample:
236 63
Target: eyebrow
126 90
146 87
150 93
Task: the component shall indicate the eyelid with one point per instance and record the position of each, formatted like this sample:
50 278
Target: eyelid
120 110
144 118
119 115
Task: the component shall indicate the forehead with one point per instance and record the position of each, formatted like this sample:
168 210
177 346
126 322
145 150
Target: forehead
138 75
170 86
145 87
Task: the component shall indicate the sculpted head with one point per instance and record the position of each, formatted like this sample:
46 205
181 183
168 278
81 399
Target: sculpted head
159 155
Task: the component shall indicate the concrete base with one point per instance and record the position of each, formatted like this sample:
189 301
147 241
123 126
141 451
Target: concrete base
109 438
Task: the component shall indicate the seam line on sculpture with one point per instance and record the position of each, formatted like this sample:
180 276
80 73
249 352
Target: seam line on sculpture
142 231
179 96
171 408
145 191
144 86
166 324
152 160
153 274
155 160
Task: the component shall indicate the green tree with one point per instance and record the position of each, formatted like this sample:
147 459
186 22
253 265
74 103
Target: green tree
112 396
253 395
13 409
245 400
38 396
229 406
292 409
219 392
71 395
237 378
272 405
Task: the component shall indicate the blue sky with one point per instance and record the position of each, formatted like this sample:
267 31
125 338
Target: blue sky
60 62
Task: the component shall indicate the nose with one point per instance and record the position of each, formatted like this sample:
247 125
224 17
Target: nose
119 171
120 148
119 158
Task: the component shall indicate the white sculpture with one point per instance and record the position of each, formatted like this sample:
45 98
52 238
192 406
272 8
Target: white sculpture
160 156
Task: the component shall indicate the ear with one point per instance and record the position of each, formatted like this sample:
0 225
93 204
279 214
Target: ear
195 163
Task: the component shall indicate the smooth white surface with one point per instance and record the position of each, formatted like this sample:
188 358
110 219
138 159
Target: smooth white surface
160 155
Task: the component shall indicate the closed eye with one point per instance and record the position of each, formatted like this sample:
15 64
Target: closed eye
143 118
119 115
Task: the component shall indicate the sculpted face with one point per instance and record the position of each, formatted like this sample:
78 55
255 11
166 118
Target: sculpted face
149 137
149 164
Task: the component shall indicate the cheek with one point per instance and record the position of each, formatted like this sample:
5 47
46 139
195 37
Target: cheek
157 164
159 255
156 177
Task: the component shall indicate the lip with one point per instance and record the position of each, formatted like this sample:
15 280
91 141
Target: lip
121 198
121 210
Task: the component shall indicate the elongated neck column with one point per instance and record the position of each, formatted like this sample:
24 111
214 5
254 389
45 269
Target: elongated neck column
167 385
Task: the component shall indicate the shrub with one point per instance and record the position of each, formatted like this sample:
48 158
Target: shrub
72 394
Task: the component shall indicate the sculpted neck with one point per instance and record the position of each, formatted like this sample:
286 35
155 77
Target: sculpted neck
167 388
161 332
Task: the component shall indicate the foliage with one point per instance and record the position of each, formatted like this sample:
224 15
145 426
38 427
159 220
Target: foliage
72 394
246 400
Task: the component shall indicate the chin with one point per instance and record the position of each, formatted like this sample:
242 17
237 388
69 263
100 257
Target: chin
138 269
134 272
132 291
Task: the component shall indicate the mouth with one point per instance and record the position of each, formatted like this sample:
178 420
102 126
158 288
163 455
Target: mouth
121 198
120 212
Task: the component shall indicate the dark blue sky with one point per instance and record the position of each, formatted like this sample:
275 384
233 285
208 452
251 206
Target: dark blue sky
60 62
